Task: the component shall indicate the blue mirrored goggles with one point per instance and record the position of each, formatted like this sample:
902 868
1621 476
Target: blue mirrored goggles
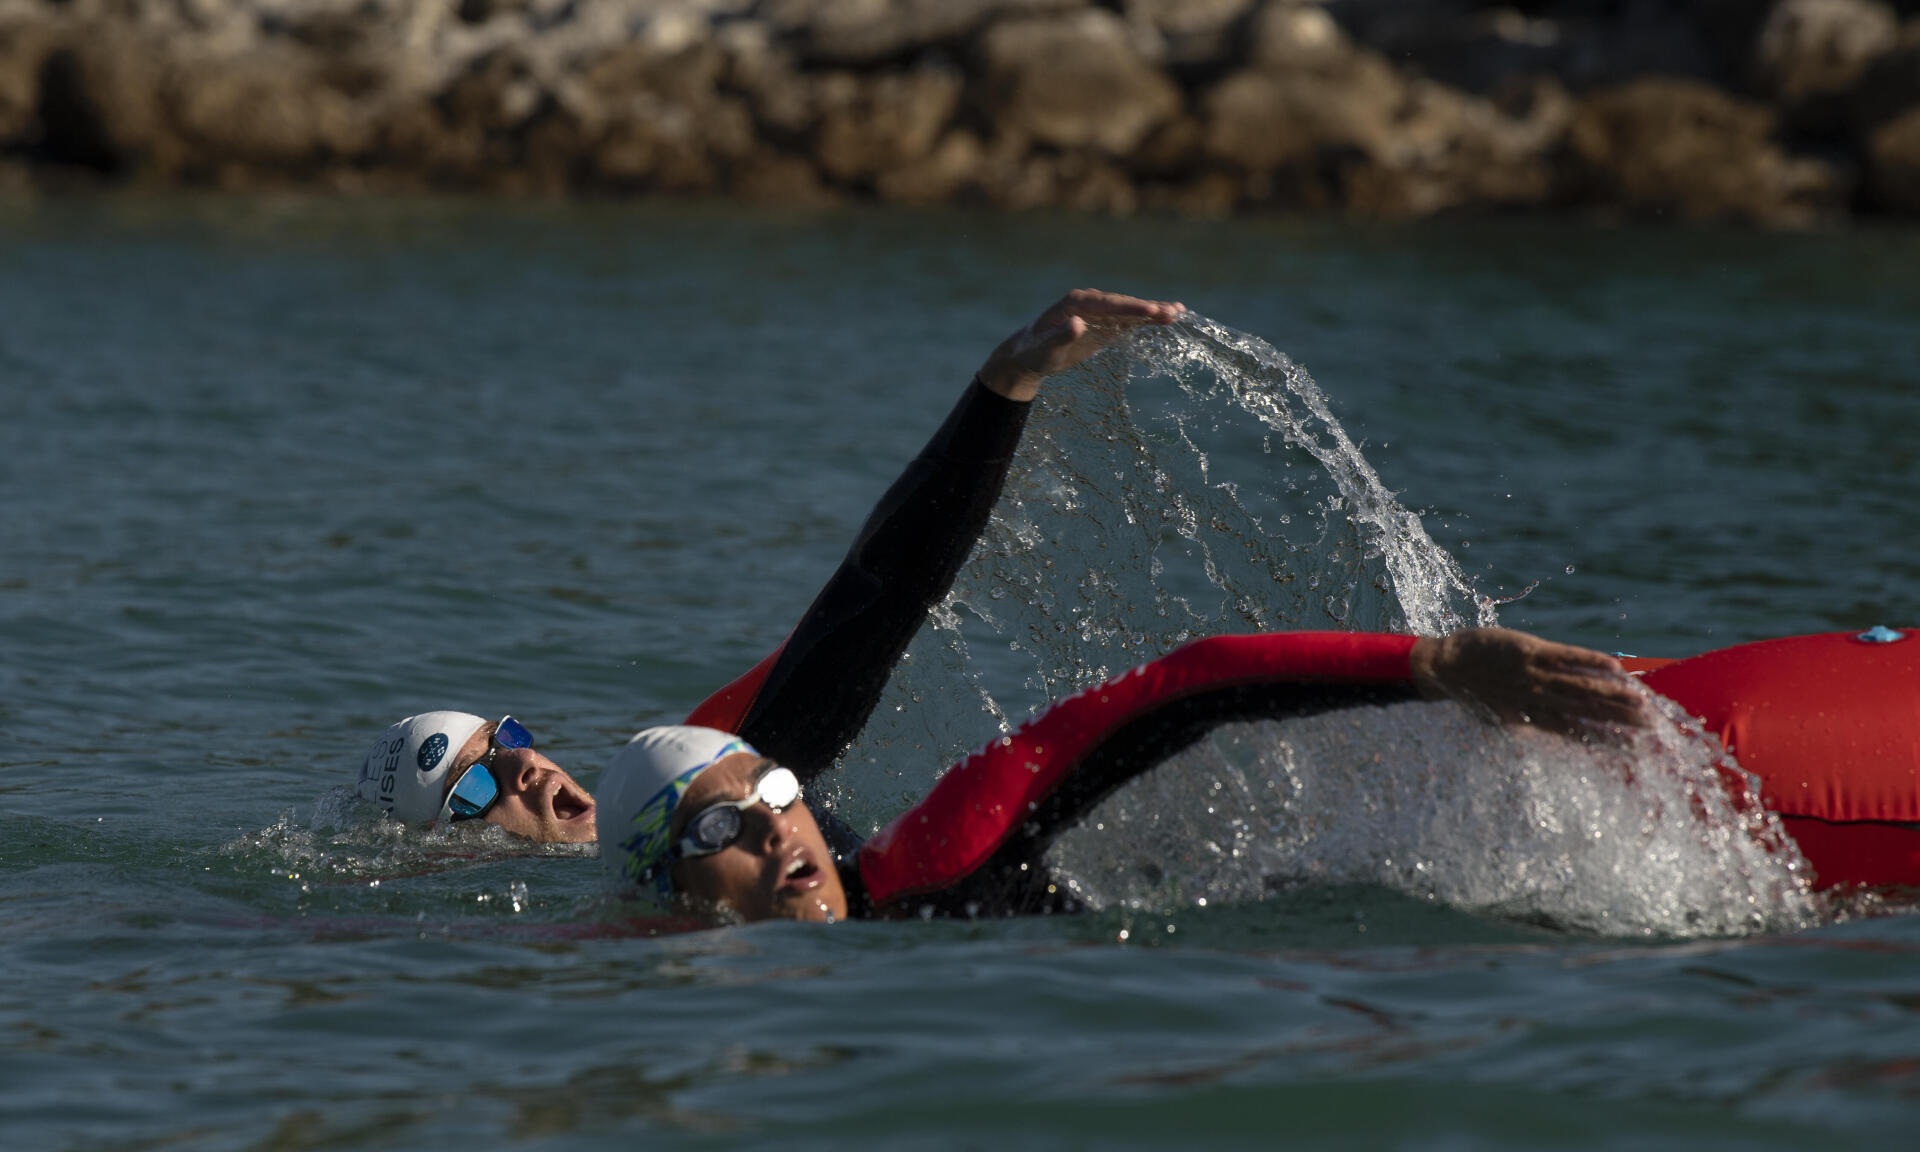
718 825
477 790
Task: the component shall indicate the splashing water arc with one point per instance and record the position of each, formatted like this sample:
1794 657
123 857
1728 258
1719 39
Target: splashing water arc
1191 481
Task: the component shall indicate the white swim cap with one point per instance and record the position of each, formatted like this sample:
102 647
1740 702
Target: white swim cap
640 789
405 770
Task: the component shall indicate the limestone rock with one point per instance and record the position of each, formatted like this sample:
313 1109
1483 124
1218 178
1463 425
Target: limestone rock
1191 35
779 179
24 46
1889 85
1287 34
885 122
99 103
1893 158
944 173
1311 94
1074 81
1811 48
1683 149
267 112
869 32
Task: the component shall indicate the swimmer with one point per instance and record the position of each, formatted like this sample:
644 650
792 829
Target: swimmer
703 818
444 767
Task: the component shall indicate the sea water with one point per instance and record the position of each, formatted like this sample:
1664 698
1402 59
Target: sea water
280 471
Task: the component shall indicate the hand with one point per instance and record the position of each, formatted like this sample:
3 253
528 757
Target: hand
1082 323
1523 679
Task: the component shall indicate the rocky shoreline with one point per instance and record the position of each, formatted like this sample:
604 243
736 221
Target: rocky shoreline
1791 113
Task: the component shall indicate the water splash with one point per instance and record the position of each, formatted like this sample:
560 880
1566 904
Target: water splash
349 844
1641 838
1193 481
1189 481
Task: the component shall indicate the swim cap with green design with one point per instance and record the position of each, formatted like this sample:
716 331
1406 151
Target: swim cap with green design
639 791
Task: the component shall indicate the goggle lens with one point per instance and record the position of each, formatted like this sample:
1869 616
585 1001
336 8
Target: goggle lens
718 825
474 793
477 789
512 734
715 828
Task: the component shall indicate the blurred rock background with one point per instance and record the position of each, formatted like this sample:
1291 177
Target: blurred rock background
1785 112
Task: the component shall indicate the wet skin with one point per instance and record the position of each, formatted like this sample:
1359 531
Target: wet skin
538 800
779 868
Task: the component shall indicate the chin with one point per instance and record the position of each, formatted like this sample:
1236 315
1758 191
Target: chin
571 833
814 909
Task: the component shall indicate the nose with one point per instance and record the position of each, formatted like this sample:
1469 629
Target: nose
518 769
766 829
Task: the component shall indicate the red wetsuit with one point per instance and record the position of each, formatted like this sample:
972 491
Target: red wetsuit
1831 726
1803 714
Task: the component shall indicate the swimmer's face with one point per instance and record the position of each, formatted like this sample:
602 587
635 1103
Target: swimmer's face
779 868
538 799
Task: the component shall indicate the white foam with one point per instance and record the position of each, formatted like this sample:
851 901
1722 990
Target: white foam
1639 838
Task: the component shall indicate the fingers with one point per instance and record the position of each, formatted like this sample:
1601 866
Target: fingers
1113 309
1521 678
1074 328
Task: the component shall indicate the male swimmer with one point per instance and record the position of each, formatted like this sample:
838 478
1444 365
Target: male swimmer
441 767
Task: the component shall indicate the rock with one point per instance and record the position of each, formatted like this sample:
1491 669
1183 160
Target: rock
782 97
1324 123
661 121
870 32
494 96
1682 149
1811 48
1481 46
1447 151
1889 85
1286 34
98 103
24 46
1172 151
1308 92
779 179
1078 181
653 149
1893 164
947 172
1209 195
1191 36
884 122
267 112
1073 81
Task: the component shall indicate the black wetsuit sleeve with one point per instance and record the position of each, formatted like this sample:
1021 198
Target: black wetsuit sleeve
829 675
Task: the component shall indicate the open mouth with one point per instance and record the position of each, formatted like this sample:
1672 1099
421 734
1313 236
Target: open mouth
800 872
567 806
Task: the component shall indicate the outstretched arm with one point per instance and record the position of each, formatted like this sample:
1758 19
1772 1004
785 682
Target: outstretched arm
804 704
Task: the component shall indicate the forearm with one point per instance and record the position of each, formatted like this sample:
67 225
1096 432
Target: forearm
818 694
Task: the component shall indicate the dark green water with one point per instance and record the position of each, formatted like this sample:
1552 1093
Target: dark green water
277 473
